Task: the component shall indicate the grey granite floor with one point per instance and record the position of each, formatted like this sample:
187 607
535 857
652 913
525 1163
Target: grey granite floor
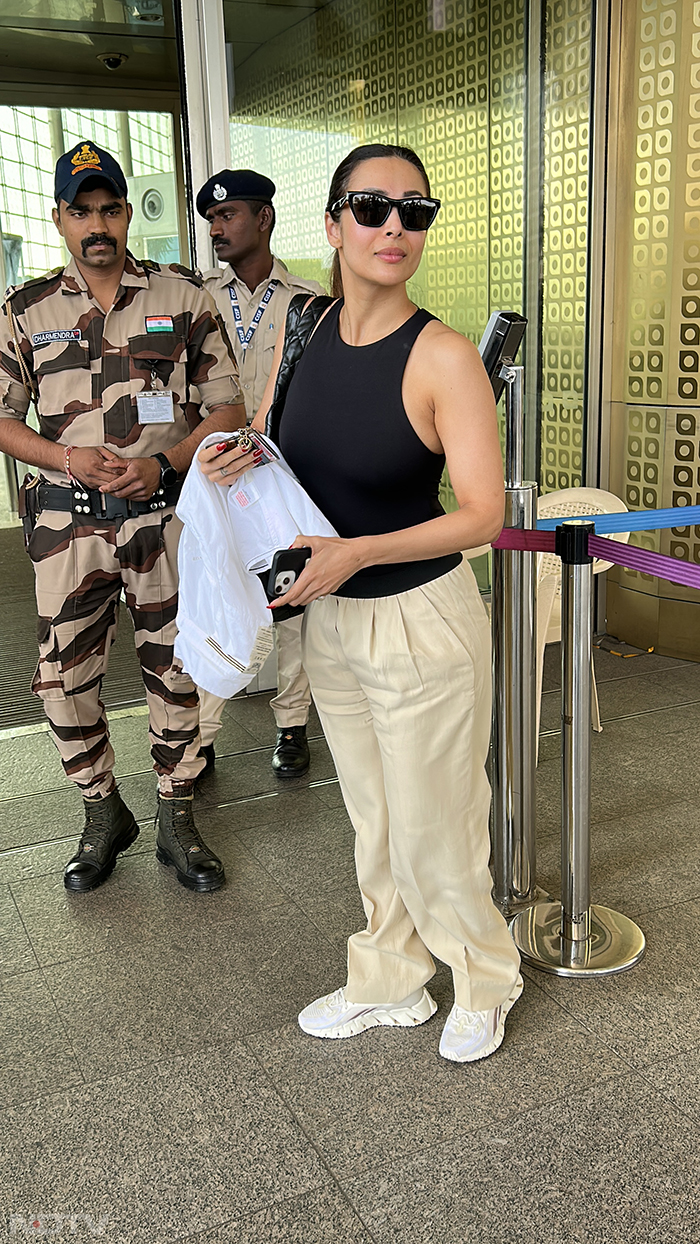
154 1085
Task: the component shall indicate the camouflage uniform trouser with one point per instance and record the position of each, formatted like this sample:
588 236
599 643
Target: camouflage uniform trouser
81 567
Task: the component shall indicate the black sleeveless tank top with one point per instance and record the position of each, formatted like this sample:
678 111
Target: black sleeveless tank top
346 435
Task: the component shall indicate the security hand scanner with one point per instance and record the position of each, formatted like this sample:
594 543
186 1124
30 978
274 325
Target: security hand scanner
498 348
500 344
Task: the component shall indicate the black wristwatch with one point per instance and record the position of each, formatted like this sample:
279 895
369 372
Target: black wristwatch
168 474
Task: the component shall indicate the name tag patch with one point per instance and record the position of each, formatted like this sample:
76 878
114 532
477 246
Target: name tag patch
56 334
159 324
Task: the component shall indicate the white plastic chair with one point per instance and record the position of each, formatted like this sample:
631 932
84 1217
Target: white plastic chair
568 503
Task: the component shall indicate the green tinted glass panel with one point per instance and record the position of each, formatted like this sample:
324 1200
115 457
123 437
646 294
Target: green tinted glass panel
444 77
566 113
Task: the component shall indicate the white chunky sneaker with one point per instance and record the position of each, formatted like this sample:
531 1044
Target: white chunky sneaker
470 1035
333 1016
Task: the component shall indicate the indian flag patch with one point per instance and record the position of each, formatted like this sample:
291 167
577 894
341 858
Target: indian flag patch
159 324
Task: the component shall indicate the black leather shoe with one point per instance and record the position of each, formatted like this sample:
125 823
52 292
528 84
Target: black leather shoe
210 761
109 828
291 755
179 844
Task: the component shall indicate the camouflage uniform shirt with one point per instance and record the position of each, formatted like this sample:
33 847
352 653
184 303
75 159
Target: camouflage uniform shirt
163 332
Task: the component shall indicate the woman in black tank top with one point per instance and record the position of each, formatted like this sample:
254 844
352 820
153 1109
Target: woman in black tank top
396 641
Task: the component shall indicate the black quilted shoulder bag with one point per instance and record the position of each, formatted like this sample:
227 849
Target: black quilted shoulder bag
298 328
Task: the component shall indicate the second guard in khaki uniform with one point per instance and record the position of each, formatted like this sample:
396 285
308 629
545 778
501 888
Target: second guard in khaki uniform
252 294
108 348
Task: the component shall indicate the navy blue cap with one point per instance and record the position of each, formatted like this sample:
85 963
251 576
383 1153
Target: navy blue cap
83 161
240 183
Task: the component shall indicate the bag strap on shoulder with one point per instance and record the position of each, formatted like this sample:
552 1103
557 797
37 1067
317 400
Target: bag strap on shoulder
299 326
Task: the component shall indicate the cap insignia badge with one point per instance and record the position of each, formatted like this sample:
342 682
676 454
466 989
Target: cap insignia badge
85 158
219 192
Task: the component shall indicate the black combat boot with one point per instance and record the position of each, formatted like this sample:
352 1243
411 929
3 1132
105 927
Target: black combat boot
209 757
109 828
178 843
291 755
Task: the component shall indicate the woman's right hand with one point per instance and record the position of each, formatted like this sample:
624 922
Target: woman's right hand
226 467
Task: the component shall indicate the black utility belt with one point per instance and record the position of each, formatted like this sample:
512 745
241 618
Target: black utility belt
102 505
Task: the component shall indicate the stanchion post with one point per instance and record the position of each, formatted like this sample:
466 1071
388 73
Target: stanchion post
573 938
576 684
513 623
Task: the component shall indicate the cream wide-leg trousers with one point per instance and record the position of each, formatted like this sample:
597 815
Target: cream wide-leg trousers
403 688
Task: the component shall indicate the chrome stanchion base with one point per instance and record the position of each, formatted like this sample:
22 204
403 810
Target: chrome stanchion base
615 943
514 906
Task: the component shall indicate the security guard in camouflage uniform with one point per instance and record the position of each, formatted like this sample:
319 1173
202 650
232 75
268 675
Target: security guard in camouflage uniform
108 347
252 294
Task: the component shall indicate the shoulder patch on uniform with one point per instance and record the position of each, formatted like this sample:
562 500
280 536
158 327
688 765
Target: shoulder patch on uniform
24 293
190 274
178 272
33 282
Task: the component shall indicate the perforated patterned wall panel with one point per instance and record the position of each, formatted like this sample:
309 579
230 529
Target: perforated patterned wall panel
443 76
565 241
656 412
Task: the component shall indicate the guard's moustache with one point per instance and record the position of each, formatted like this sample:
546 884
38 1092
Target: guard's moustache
94 238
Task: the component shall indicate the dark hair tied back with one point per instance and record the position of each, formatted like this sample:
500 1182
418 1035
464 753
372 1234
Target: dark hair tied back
341 179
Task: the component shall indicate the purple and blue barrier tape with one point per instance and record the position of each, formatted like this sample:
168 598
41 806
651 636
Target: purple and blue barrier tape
526 540
671 568
630 520
625 555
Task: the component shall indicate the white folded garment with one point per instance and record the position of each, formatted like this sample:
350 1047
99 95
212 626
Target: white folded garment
225 632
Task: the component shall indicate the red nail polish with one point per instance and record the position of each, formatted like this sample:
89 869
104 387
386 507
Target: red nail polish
220 448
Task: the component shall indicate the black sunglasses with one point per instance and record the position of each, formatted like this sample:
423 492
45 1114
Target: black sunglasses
373 210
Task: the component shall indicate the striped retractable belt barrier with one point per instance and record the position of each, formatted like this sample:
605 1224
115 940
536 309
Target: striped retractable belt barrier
543 540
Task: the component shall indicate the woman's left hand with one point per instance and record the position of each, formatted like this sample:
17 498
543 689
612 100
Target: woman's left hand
333 561
226 467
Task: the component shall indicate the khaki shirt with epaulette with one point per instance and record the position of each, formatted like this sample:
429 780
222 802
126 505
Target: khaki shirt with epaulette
87 365
255 362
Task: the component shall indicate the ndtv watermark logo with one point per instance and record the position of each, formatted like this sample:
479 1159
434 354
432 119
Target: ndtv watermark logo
57 1226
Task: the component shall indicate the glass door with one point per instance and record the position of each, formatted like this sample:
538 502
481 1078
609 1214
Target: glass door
59 60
